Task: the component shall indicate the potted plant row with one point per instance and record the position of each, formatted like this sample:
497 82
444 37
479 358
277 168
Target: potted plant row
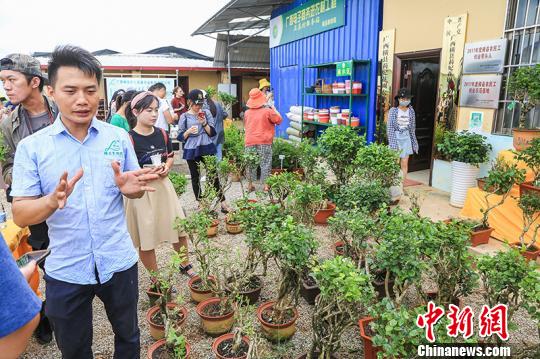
531 157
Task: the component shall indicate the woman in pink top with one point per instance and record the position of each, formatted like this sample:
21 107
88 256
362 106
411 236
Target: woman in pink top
259 125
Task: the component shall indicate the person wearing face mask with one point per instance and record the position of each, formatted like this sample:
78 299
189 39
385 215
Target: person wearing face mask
401 129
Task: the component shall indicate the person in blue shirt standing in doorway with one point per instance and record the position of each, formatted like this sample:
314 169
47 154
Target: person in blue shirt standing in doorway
73 175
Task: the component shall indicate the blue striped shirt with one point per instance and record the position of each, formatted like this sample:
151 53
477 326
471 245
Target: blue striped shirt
90 233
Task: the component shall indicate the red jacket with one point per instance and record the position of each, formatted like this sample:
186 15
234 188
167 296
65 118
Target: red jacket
259 124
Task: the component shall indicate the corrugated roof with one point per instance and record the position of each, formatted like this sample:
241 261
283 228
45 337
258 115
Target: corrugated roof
176 51
240 15
251 53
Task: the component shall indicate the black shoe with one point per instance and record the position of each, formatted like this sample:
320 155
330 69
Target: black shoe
44 332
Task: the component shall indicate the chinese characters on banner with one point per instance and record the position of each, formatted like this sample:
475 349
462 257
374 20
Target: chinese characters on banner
134 83
453 45
484 57
480 91
386 56
491 321
311 18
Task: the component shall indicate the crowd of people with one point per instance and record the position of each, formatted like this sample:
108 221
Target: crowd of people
97 194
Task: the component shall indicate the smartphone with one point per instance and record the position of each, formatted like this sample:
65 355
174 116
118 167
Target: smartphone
38 256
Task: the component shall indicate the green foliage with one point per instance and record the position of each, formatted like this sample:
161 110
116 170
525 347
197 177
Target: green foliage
227 99
380 163
501 277
530 290
531 156
530 207
176 342
344 290
501 178
448 256
287 149
306 200
524 87
440 131
3 149
233 147
465 147
179 182
308 156
164 281
359 194
282 185
395 330
210 91
339 146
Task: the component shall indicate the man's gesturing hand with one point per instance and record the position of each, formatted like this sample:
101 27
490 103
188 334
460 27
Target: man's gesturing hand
58 198
133 182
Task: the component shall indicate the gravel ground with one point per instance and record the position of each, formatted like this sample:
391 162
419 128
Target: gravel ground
201 343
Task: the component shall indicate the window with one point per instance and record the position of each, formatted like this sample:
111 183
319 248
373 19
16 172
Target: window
522 30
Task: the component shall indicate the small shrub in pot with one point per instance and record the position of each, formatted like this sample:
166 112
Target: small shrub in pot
465 147
179 182
378 163
530 207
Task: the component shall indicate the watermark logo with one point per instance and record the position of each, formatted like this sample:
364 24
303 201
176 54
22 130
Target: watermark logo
114 149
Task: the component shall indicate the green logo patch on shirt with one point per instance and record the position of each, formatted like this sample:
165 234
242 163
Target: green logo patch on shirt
114 149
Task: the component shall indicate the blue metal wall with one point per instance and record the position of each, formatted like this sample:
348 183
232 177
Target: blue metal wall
358 39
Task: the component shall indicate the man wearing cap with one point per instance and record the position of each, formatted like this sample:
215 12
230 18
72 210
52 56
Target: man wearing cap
23 82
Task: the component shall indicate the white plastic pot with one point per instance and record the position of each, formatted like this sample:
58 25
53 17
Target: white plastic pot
463 177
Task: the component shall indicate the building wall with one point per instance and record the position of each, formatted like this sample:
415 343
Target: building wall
358 39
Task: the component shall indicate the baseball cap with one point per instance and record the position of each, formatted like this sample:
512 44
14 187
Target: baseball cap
22 63
196 96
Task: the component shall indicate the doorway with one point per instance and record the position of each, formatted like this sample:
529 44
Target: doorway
419 72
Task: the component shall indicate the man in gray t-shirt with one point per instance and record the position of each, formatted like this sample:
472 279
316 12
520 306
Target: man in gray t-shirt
40 121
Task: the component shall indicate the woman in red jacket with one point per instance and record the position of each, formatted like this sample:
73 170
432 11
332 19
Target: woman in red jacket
259 124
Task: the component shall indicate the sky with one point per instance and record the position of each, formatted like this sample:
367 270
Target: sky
126 26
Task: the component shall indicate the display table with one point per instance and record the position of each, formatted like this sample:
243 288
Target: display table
16 239
506 220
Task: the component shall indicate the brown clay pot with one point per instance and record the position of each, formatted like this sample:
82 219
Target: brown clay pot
276 171
233 227
309 292
480 182
480 236
153 296
528 188
156 347
523 137
300 172
227 337
338 248
198 295
213 229
276 332
529 255
214 325
322 215
157 331
370 351
252 296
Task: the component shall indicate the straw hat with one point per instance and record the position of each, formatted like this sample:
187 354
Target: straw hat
263 83
256 98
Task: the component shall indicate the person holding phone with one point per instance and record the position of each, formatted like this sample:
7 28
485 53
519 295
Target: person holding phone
196 130
150 218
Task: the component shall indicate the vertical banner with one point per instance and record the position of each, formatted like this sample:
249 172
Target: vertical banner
386 56
453 45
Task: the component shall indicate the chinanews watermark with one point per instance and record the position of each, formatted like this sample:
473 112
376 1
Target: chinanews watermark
491 321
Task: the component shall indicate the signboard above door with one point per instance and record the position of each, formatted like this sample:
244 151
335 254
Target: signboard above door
311 18
484 57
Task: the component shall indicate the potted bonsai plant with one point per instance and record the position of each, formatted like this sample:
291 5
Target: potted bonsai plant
451 264
499 182
233 148
285 156
530 207
361 194
292 246
280 186
179 182
166 310
309 205
344 291
524 87
379 163
174 346
467 151
339 145
531 156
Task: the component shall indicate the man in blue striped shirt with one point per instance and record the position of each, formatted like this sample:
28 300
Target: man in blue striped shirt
73 175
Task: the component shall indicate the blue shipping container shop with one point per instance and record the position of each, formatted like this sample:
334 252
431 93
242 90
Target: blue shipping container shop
355 38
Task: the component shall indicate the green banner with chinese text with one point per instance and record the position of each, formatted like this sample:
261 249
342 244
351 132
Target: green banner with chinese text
311 18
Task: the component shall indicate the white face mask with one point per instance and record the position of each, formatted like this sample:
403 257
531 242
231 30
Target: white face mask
404 103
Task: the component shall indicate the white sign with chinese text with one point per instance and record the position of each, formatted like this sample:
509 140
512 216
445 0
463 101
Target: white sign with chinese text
484 57
133 83
386 56
480 91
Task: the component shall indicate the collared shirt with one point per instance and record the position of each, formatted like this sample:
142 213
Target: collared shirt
90 233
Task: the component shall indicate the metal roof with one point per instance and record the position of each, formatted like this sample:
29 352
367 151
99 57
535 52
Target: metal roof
240 15
254 52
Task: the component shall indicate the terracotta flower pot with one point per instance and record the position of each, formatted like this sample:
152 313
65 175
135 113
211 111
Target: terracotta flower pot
251 296
276 171
227 338
523 137
153 296
480 236
233 227
155 349
214 325
370 351
300 172
276 332
322 215
338 248
198 295
481 182
157 331
529 255
528 188
309 291
213 229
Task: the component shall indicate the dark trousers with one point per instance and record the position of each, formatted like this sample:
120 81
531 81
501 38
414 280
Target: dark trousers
69 308
196 179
